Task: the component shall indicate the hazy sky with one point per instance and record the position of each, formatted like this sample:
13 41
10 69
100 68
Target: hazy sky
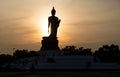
87 23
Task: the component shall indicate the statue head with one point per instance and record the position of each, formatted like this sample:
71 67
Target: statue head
53 11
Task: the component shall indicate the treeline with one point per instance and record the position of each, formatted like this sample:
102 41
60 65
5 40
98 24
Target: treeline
73 50
106 53
18 54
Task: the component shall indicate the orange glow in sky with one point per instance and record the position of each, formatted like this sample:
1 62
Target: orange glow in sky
87 23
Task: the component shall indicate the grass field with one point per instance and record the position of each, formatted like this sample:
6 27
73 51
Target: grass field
62 74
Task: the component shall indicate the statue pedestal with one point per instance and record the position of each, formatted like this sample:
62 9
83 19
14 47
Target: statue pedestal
49 43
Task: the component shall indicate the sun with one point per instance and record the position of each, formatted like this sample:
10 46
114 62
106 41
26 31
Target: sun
44 27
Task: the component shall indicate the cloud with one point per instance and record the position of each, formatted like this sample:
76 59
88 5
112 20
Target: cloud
14 19
112 22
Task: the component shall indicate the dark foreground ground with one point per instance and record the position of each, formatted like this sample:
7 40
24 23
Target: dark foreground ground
62 74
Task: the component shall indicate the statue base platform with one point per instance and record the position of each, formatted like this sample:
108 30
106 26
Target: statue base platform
49 43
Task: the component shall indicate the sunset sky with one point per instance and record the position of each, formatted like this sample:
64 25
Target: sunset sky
86 23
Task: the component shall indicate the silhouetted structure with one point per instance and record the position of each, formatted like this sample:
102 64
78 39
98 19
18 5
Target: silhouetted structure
53 23
51 42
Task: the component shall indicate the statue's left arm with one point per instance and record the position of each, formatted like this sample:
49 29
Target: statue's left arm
59 20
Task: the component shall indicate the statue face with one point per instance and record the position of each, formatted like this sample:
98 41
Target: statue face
53 13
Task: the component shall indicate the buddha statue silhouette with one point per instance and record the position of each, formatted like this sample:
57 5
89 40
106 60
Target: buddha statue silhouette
51 42
53 24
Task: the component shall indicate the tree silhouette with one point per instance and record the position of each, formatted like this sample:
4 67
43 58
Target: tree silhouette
5 59
24 53
108 53
20 54
32 53
72 50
